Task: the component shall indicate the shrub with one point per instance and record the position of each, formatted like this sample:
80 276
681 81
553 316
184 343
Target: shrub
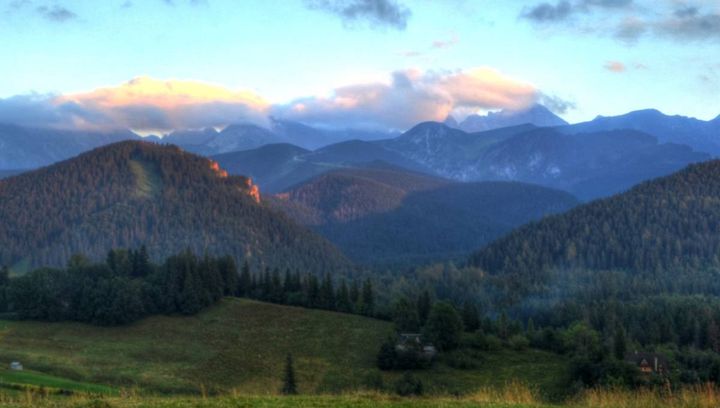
373 381
461 360
518 342
408 385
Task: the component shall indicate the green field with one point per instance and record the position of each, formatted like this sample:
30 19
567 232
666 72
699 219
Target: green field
239 347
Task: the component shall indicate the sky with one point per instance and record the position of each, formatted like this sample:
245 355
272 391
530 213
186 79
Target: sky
159 65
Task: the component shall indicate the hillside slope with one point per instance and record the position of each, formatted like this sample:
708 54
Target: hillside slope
662 229
382 214
134 193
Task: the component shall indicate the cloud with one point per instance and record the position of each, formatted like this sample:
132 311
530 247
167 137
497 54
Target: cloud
556 104
545 12
153 106
410 97
690 24
142 104
629 20
564 9
191 2
446 43
56 13
615 66
379 13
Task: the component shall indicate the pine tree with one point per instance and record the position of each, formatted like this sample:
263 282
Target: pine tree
342 300
424 304
327 294
367 307
405 316
354 293
313 292
245 283
470 317
4 276
619 343
289 385
444 326
141 263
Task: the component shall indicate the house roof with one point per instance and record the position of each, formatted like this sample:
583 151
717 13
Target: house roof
649 358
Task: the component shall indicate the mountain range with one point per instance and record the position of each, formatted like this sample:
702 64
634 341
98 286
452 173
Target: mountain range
586 165
590 160
132 193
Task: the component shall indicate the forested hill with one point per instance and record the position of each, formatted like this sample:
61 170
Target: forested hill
660 229
133 193
383 215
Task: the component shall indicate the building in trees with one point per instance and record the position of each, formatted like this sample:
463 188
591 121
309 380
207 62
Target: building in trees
648 363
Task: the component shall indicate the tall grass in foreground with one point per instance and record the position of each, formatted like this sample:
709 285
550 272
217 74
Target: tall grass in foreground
512 395
700 396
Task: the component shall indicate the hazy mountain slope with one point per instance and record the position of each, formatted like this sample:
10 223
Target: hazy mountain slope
389 215
700 135
663 228
278 167
536 115
587 165
29 148
233 138
134 193
273 167
9 173
313 138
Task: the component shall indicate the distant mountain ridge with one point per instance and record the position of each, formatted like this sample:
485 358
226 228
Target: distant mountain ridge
30 148
536 115
702 136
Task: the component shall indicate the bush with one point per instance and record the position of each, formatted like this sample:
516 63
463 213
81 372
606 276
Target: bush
518 342
408 385
387 355
480 341
461 360
373 381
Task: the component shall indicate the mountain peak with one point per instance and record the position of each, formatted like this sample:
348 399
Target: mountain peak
536 114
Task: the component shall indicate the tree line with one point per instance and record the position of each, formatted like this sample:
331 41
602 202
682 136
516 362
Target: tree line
127 286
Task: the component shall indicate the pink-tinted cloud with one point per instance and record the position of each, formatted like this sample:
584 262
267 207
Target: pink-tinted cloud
411 97
154 106
147 104
615 66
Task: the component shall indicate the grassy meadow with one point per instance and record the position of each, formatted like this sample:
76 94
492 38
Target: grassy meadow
239 346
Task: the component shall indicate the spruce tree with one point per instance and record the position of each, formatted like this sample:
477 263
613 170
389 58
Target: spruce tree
342 300
424 304
4 276
245 284
367 307
327 294
470 317
289 385
619 343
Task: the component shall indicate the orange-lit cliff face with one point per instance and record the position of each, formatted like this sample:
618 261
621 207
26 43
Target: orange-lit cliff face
250 188
215 166
253 190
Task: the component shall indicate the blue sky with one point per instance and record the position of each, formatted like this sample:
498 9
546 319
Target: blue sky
591 57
